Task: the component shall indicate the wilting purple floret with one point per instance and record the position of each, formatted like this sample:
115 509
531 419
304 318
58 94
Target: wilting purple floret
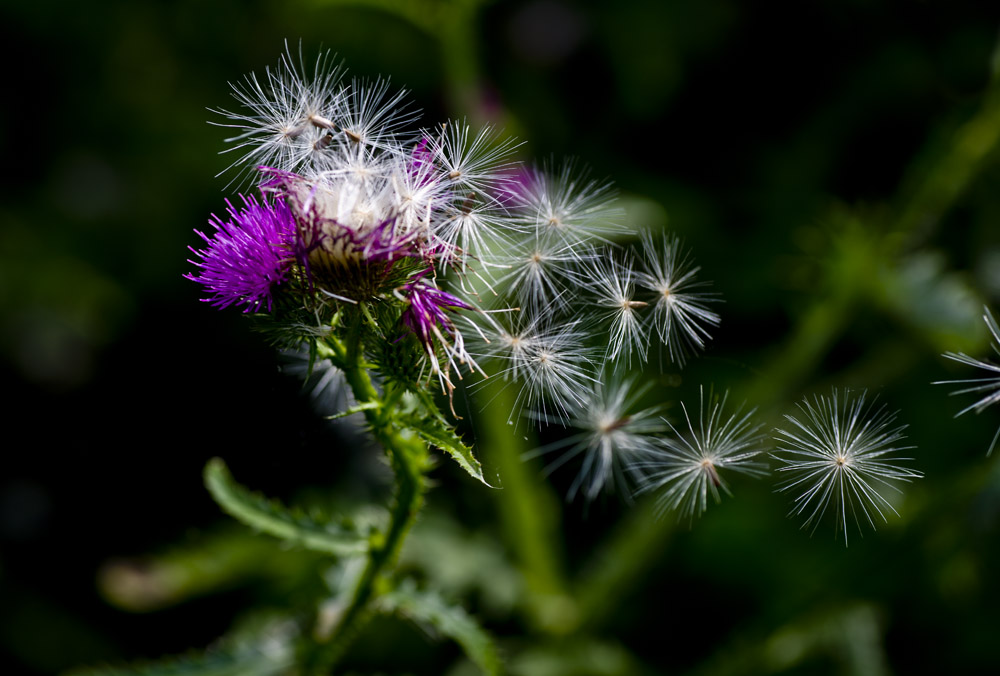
247 256
427 310
422 158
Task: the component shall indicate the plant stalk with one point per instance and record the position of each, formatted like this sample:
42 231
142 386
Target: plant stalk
409 459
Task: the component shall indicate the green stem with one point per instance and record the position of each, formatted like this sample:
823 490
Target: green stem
621 565
459 59
409 458
453 25
529 513
952 172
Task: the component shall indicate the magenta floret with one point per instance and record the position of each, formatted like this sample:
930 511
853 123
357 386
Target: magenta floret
247 256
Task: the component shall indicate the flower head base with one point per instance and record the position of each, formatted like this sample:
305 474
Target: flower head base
988 386
840 453
688 466
248 256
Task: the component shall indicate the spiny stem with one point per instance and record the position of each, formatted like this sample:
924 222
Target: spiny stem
409 459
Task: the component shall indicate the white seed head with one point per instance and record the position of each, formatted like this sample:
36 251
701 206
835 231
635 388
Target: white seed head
613 439
372 120
554 369
680 307
478 163
544 272
691 464
987 387
282 118
839 453
612 281
567 204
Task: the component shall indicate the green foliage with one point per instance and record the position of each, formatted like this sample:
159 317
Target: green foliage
312 531
938 304
849 635
207 562
243 662
360 408
430 610
462 563
580 656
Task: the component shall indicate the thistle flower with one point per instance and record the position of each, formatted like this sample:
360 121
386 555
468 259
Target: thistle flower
839 452
680 309
247 256
340 223
989 385
687 467
613 439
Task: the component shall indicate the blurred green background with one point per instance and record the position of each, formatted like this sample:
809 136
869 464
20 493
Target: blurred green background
831 165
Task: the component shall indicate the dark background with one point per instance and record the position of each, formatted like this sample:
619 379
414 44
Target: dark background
753 130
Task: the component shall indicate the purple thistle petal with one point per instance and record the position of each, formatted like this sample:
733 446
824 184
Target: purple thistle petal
422 159
247 256
428 309
427 315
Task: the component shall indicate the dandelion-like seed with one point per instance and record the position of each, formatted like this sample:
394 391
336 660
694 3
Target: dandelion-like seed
285 119
555 368
680 308
839 453
477 164
540 269
470 229
373 119
613 440
988 386
612 282
569 205
510 343
687 467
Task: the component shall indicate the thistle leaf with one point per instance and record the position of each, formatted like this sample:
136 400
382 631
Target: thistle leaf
215 663
429 609
436 432
270 516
